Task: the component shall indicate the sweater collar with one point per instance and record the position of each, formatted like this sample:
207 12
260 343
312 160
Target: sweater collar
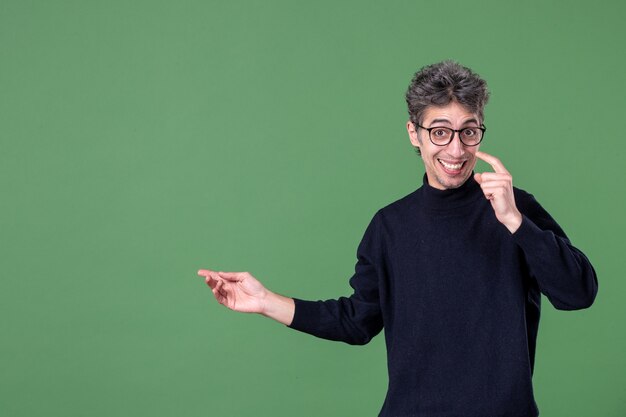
452 198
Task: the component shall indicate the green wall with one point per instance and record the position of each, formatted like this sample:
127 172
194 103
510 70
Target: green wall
143 140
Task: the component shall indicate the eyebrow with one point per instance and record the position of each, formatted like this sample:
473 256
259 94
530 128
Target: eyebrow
448 121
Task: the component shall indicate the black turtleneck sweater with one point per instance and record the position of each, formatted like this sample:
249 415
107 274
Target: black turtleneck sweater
459 298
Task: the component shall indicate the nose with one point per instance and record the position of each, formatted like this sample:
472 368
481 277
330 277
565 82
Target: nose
455 147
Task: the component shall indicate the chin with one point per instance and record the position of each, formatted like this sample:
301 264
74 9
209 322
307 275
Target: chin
451 183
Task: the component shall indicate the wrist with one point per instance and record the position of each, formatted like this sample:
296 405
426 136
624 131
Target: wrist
513 222
278 307
266 303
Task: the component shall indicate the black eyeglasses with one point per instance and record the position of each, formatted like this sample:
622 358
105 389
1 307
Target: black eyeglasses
441 136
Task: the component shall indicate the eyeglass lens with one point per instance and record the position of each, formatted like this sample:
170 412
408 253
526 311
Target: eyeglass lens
443 135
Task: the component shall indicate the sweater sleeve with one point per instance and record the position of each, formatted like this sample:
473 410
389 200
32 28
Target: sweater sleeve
563 273
355 319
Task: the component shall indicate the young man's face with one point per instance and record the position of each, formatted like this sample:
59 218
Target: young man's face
451 165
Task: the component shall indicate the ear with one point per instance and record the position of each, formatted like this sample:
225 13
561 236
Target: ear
415 140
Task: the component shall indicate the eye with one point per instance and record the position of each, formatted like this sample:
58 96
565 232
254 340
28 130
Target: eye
470 132
440 132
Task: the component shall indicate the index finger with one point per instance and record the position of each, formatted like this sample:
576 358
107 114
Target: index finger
210 277
495 163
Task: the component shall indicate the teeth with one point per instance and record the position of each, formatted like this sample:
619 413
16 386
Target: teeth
451 166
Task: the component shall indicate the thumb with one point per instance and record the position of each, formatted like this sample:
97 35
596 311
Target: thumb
478 177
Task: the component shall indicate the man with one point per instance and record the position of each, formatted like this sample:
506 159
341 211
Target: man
453 271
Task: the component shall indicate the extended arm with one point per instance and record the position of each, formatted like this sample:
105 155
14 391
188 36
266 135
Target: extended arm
354 320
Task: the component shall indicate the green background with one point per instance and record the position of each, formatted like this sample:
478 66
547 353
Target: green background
143 140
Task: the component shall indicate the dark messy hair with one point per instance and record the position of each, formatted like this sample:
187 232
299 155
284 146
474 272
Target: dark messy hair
439 84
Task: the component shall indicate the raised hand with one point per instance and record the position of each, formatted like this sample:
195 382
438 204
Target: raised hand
498 189
238 291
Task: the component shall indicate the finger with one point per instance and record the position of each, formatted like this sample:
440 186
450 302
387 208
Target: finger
210 277
218 288
492 191
495 184
232 276
219 292
210 281
219 297
485 177
495 176
495 163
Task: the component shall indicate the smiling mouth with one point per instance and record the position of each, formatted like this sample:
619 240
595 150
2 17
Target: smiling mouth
452 166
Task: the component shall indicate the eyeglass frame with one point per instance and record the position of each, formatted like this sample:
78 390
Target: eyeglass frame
482 128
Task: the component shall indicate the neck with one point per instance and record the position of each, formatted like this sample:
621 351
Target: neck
451 198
